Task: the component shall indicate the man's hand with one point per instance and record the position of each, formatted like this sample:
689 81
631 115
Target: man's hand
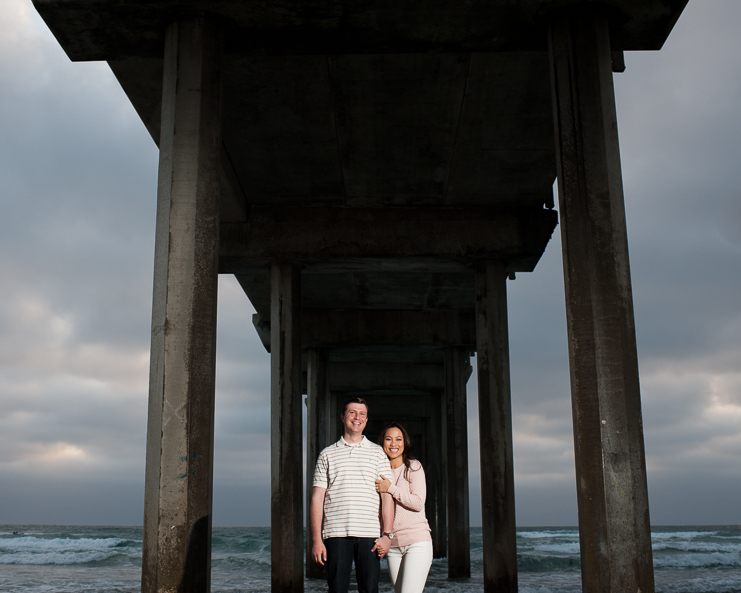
319 552
318 549
382 546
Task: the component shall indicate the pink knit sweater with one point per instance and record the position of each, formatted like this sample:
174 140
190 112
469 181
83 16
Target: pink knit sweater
410 523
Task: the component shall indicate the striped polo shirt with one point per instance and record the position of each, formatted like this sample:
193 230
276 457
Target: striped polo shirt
349 472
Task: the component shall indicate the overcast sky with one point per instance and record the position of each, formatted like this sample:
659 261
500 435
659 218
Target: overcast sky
78 189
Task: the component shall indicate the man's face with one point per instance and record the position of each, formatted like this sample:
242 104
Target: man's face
355 418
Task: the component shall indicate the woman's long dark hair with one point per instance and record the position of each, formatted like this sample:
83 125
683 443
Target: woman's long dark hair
407 456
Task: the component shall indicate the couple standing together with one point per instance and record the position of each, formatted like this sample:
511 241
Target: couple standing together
371 499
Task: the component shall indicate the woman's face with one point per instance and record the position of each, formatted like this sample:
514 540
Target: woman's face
393 443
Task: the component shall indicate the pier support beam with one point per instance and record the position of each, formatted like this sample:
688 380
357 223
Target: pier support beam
459 540
286 502
435 471
317 437
614 526
495 430
180 432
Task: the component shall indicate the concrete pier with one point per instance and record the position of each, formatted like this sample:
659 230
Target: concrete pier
372 174
317 435
437 469
457 369
495 430
286 463
614 528
180 433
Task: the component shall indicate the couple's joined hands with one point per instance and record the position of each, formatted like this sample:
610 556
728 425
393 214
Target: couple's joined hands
382 545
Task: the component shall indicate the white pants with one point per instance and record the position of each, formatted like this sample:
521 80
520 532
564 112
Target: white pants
409 566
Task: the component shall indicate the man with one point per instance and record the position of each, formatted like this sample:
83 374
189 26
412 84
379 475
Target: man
345 497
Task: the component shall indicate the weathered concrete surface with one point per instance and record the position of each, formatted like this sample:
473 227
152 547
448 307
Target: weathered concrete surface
309 234
317 437
361 328
432 135
457 370
495 430
102 30
436 508
286 467
614 526
417 129
143 79
179 474
382 285
393 376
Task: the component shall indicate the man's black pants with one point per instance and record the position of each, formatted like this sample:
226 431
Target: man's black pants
341 552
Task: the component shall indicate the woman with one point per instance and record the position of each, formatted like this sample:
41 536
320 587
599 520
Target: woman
410 554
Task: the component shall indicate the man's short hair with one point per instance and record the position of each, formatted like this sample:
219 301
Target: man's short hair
354 400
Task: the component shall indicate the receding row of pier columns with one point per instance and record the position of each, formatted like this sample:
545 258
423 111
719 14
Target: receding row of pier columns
610 460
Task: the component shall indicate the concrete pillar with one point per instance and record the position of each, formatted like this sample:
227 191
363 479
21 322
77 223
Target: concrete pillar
495 430
180 432
336 399
317 437
435 471
614 523
456 416
286 502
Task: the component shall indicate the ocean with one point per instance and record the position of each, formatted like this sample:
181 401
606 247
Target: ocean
90 559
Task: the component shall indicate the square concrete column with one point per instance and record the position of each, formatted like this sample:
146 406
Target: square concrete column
286 470
495 430
180 433
614 527
435 472
456 421
317 438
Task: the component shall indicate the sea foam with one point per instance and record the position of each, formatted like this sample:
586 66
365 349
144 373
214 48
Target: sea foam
40 551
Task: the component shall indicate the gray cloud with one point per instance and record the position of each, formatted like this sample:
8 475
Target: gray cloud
78 196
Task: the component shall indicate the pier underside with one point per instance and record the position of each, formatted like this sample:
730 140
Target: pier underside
373 174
